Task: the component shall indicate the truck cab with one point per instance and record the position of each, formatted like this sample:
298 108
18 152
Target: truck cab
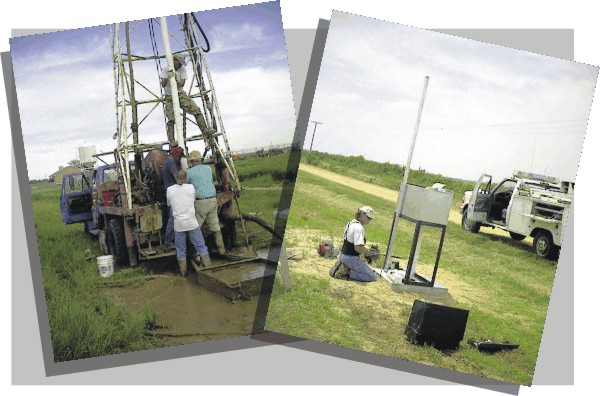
80 198
76 198
525 204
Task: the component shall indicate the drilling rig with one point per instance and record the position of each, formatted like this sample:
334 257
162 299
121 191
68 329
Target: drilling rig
123 203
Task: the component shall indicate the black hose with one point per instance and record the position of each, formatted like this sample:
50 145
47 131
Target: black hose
260 222
203 34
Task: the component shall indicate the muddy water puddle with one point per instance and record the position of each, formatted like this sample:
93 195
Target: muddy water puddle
186 311
243 273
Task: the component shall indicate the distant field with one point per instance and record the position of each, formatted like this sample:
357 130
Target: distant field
262 180
503 284
264 171
383 174
85 322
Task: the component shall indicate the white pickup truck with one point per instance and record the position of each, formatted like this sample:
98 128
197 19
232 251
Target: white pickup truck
524 205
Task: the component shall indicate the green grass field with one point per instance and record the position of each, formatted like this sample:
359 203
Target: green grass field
262 180
504 285
263 172
84 321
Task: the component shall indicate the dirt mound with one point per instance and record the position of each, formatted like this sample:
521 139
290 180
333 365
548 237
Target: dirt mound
375 296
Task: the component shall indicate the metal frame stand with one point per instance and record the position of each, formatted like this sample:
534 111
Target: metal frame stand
411 258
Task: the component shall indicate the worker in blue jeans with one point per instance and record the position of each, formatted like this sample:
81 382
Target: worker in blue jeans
207 208
351 266
181 197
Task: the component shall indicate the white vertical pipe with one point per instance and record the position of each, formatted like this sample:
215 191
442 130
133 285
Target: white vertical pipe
401 195
115 53
173 83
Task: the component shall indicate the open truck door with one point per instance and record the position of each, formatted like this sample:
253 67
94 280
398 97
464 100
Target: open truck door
479 204
76 199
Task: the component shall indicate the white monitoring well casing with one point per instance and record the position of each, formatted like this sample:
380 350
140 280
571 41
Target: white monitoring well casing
426 205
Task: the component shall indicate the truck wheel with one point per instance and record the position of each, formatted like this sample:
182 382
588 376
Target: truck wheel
470 225
544 246
115 240
517 237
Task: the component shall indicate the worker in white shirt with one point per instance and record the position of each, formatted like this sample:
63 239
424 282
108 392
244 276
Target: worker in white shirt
181 197
350 266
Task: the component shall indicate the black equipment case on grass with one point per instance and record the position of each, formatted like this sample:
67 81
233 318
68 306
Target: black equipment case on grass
437 325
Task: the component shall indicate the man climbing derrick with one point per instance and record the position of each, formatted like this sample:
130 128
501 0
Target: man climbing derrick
185 102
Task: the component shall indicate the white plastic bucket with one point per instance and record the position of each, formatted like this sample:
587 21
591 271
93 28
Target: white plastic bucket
106 266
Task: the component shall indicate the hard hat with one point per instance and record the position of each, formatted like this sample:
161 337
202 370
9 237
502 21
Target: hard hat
180 58
368 211
195 156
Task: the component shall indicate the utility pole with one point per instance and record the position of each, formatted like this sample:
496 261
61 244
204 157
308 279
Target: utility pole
314 130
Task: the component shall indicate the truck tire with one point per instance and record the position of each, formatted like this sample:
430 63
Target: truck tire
115 240
544 245
469 225
517 237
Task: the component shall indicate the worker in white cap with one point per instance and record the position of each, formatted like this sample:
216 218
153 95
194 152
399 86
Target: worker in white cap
350 266
207 210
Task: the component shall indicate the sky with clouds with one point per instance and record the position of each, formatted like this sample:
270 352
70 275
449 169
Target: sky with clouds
488 108
66 94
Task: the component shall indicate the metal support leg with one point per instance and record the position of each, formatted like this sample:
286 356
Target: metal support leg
283 268
411 257
132 256
439 253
